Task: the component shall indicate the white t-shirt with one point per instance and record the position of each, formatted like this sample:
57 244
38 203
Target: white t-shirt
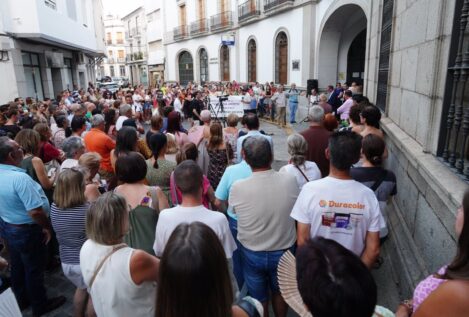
177 105
120 121
341 210
170 218
247 101
310 169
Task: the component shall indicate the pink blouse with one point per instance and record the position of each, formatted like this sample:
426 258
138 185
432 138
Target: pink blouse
176 196
426 287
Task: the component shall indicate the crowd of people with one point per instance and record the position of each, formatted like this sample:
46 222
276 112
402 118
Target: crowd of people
153 208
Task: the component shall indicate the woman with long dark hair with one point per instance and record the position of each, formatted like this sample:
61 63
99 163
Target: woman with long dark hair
445 293
126 142
194 279
175 128
220 154
159 169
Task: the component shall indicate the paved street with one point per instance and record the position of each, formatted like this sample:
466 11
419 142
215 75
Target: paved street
388 295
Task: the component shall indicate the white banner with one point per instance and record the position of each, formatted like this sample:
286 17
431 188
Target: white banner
232 105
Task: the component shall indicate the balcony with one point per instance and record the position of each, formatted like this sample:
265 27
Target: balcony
199 27
180 33
248 11
276 5
109 42
221 21
120 41
134 57
121 60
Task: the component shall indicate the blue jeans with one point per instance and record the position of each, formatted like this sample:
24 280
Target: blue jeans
237 255
293 108
260 272
27 259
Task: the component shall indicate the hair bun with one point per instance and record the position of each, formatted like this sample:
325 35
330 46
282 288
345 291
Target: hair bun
376 160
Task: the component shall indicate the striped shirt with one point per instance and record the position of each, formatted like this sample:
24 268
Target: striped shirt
69 226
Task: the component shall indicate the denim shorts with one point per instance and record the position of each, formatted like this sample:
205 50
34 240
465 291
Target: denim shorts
260 272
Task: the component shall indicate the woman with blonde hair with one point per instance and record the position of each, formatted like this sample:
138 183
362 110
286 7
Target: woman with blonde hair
121 280
220 154
90 162
68 215
171 147
303 170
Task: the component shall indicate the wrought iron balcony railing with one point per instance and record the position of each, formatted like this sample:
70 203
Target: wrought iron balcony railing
199 27
180 33
273 4
221 21
248 10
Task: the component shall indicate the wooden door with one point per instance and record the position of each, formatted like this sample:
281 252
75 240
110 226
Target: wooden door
282 58
252 61
225 63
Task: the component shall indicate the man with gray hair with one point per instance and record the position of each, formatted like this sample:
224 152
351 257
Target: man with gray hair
263 203
96 140
125 112
318 139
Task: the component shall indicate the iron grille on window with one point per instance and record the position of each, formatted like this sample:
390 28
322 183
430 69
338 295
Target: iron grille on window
248 10
385 50
455 117
221 21
272 4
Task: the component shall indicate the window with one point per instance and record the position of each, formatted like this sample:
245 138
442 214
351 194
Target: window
110 53
120 55
32 74
120 38
182 15
68 66
252 61
186 68
225 63
454 119
84 12
108 38
51 4
201 9
136 25
203 60
72 9
385 50
111 69
122 70
281 58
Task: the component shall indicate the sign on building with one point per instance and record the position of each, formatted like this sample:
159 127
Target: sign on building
228 39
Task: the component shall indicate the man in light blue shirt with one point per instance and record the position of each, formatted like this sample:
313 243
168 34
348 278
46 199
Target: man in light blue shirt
26 229
252 123
230 176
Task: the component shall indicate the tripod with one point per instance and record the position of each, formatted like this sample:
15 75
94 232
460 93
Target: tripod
308 107
216 111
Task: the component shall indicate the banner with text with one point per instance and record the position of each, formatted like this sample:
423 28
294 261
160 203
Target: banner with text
232 105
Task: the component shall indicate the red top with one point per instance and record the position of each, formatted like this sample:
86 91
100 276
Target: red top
318 141
48 152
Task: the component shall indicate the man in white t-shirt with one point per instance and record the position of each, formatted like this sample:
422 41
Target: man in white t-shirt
125 112
339 208
189 178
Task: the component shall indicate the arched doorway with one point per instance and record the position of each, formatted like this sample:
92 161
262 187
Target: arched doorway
186 68
203 65
224 63
356 59
252 61
342 46
281 58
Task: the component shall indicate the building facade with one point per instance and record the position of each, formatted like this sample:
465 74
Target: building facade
114 65
51 46
412 58
156 55
137 49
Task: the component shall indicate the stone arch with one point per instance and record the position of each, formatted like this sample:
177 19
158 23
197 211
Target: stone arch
335 39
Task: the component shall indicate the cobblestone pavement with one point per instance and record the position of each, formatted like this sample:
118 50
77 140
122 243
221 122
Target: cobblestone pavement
57 284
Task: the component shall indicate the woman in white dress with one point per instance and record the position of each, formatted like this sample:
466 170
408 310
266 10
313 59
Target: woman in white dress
304 171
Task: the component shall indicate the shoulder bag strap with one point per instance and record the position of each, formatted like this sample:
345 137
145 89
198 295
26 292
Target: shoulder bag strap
173 188
114 250
378 182
304 175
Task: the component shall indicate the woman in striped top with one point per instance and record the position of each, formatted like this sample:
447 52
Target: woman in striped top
68 215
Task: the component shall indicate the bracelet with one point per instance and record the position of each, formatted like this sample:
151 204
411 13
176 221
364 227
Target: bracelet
407 303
